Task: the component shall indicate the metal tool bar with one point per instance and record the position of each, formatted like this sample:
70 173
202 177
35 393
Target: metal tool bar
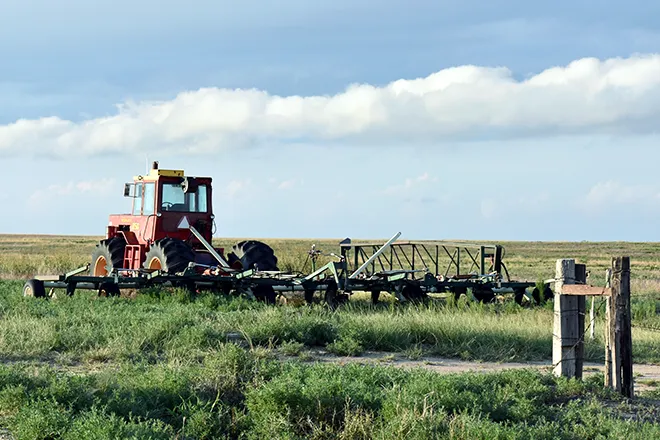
374 256
208 246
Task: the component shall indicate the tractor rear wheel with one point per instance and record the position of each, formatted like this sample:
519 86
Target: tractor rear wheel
169 255
253 254
108 255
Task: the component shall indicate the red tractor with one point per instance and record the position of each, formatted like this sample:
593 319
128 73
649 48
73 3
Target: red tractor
171 225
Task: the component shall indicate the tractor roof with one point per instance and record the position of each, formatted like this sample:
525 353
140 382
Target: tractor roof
155 173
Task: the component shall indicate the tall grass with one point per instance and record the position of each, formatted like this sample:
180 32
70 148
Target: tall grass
233 394
172 325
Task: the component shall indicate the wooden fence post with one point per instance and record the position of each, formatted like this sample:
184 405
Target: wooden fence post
567 337
618 331
580 278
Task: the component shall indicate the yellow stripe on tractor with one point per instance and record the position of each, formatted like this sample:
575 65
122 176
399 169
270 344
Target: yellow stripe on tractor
155 173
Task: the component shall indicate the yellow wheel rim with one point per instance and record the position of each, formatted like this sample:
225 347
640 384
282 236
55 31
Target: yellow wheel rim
155 264
100 268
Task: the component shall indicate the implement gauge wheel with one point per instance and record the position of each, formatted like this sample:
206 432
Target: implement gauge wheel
547 294
169 255
519 295
414 293
265 293
108 289
108 255
34 288
484 295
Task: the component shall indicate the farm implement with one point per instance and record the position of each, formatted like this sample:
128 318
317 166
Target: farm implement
166 241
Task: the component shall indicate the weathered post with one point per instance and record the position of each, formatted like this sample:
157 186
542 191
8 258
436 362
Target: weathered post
567 342
618 331
580 278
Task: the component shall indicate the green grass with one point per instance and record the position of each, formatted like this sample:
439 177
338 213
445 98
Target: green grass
169 365
233 394
161 325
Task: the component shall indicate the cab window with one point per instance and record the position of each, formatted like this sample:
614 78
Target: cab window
174 199
149 198
201 197
137 200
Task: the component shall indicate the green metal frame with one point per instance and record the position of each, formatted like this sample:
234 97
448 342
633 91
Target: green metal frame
361 267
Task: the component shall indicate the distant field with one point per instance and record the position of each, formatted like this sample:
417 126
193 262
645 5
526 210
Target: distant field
22 256
167 364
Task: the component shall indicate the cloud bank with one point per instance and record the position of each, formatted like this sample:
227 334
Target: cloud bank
587 96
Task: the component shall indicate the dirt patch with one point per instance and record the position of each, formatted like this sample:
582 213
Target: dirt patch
646 376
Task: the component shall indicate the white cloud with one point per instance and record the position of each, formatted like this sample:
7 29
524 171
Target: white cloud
520 205
101 187
588 96
233 189
612 192
288 184
410 183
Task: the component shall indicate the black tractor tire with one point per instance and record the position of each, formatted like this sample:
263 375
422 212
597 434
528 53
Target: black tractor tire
253 254
169 255
108 255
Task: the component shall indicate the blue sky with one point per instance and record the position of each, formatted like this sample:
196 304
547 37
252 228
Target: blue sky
504 120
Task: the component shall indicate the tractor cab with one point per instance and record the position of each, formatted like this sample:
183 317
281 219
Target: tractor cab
156 233
164 204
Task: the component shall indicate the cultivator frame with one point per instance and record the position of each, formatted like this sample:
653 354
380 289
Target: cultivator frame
409 270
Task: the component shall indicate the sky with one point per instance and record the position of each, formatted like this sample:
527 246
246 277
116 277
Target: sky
501 120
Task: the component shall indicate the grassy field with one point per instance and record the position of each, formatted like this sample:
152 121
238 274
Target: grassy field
166 364
235 394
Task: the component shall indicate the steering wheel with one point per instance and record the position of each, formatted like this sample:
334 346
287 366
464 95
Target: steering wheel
167 205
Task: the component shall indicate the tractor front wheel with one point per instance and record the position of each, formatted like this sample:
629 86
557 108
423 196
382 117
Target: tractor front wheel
108 255
169 255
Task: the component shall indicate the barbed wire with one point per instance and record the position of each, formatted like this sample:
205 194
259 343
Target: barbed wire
580 339
646 327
